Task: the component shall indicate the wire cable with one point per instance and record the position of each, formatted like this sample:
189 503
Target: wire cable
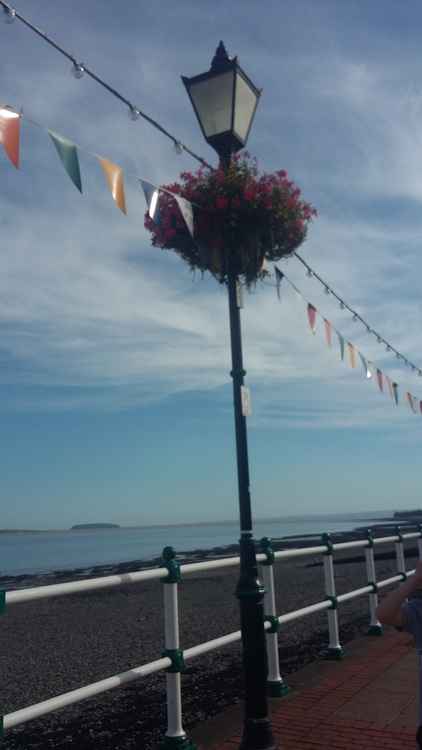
13 14
178 144
345 306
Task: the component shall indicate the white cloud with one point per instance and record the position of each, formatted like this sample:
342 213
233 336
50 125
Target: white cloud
84 300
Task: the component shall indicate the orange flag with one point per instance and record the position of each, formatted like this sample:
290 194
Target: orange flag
352 354
9 134
114 177
328 338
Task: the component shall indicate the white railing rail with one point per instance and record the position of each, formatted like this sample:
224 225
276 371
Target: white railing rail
173 658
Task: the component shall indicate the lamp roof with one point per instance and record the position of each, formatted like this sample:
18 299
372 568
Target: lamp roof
221 61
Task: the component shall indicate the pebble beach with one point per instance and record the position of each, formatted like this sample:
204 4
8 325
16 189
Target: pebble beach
54 645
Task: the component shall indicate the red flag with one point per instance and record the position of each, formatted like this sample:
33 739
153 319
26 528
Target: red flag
327 326
312 316
390 386
9 134
380 382
410 400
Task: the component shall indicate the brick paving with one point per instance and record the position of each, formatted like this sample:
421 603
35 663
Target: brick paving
367 701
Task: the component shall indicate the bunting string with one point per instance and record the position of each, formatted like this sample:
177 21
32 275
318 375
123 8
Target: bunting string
345 306
369 368
68 154
67 151
12 150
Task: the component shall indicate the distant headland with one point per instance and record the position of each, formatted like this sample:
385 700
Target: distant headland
81 526
408 514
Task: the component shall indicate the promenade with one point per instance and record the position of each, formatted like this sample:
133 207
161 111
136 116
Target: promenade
367 701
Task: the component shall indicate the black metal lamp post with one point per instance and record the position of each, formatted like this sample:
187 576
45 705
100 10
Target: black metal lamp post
225 101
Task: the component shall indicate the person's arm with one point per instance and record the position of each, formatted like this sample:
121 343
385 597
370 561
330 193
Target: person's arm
389 611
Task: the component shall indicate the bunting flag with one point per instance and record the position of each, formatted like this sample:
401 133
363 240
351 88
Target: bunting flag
68 155
367 371
10 133
411 402
278 279
380 380
396 393
312 317
114 177
341 342
352 354
390 386
186 210
328 332
151 196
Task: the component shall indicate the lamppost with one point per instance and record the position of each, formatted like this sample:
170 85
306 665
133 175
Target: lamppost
225 100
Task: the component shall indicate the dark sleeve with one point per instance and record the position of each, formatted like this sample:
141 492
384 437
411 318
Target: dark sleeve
411 620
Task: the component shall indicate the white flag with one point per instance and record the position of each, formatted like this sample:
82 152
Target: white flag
151 193
186 211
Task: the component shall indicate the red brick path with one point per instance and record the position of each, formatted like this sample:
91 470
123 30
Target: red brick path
368 701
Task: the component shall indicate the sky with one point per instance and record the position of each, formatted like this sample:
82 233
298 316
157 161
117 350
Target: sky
115 394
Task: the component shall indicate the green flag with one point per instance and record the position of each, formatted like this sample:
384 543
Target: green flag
69 157
341 342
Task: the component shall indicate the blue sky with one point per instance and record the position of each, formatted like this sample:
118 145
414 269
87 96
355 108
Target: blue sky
115 397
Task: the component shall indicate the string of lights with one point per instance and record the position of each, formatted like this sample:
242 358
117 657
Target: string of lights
356 317
79 69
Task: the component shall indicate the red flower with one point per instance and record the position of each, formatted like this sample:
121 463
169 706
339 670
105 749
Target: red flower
221 203
249 194
270 218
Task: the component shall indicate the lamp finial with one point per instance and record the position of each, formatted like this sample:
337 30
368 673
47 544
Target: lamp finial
220 58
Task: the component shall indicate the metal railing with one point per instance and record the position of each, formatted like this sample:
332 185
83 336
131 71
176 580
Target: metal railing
173 658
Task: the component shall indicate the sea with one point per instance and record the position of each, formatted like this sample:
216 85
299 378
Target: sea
38 552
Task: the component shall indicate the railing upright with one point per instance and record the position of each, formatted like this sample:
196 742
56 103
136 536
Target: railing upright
175 737
420 541
276 687
401 564
375 627
334 650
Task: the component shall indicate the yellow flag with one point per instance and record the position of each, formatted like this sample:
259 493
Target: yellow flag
114 177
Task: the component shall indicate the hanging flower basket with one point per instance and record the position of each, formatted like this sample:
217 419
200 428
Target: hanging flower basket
255 218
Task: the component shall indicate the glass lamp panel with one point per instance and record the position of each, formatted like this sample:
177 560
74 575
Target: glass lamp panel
244 107
213 101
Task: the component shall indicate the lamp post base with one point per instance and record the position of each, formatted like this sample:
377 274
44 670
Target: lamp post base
257 735
375 630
